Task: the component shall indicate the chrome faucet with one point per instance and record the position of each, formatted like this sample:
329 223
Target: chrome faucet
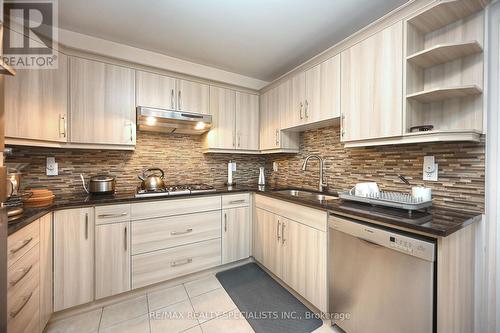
322 184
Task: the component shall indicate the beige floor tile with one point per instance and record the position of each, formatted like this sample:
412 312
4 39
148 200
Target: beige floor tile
83 323
165 297
212 304
130 309
196 329
136 325
203 285
230 322
175 318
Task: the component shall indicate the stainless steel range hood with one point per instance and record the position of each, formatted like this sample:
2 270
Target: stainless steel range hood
168 121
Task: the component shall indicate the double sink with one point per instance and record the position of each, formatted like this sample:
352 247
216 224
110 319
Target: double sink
306 195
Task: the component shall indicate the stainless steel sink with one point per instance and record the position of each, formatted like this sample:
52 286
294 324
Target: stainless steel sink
307 195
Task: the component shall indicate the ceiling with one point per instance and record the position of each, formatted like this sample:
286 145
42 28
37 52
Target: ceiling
262 39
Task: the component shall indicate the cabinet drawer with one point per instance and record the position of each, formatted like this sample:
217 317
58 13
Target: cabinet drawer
112 214
235 200
22 241
23 293
309 216
161 208
162 265
167 232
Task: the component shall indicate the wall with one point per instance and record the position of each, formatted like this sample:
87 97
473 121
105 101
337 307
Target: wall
461 167
180 156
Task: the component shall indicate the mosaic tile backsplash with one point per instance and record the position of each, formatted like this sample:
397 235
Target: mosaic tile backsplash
460 185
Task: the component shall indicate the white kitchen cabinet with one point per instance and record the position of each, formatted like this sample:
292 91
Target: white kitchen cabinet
192 96
73 257
267 248
102 102
222 135
272 138
235 234
156 91
36 103
315 95
112 259
247 121
372 86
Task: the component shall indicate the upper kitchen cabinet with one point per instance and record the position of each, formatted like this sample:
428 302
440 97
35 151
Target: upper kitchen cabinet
372 86
36 104
156 91
272 138
315 96
102 103
164 92
235 122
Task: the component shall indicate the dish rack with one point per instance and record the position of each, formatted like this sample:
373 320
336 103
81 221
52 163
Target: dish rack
390 199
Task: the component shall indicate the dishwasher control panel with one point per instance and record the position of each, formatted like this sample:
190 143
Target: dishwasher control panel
393 240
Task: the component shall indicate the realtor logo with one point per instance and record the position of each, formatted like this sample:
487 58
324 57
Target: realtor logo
30 34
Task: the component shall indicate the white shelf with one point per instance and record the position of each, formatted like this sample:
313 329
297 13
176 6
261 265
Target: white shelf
441 94
444 53
446 12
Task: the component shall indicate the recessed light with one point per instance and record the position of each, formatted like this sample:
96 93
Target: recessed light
200 125
150 121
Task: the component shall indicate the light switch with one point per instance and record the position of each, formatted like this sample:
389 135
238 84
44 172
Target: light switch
430 169
52 167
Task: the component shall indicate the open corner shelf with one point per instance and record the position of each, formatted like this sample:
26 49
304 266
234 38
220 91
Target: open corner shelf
441 94
446 12
442 53
443 135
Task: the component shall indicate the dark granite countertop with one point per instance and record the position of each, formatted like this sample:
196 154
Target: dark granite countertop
437 221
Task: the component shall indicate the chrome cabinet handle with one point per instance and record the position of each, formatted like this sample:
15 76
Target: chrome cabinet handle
177 233
342 117
179 100
125 239
300 110
277 137
239 140
234 140
283 233
24 243
225 222
131 131
86 225
62 126
109 216
25 272
172 97
26 299
181 263
234 202
278 231
306 108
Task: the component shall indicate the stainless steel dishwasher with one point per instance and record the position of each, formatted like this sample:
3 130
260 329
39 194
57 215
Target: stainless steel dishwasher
381 281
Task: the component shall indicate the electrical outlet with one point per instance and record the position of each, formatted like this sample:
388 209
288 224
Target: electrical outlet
430 169
52 167
233 166
275 166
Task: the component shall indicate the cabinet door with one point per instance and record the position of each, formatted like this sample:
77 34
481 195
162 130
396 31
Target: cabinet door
298 98
73 257
372 86
102 103
287 115
312 102
222 108
36 103
46 306
329 90
247 121
112 259
235 234
270 121
192 97
304 261
153 90
267 241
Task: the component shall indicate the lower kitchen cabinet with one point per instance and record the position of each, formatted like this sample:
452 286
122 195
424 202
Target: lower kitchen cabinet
235 234
73 257
295 253
112 259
